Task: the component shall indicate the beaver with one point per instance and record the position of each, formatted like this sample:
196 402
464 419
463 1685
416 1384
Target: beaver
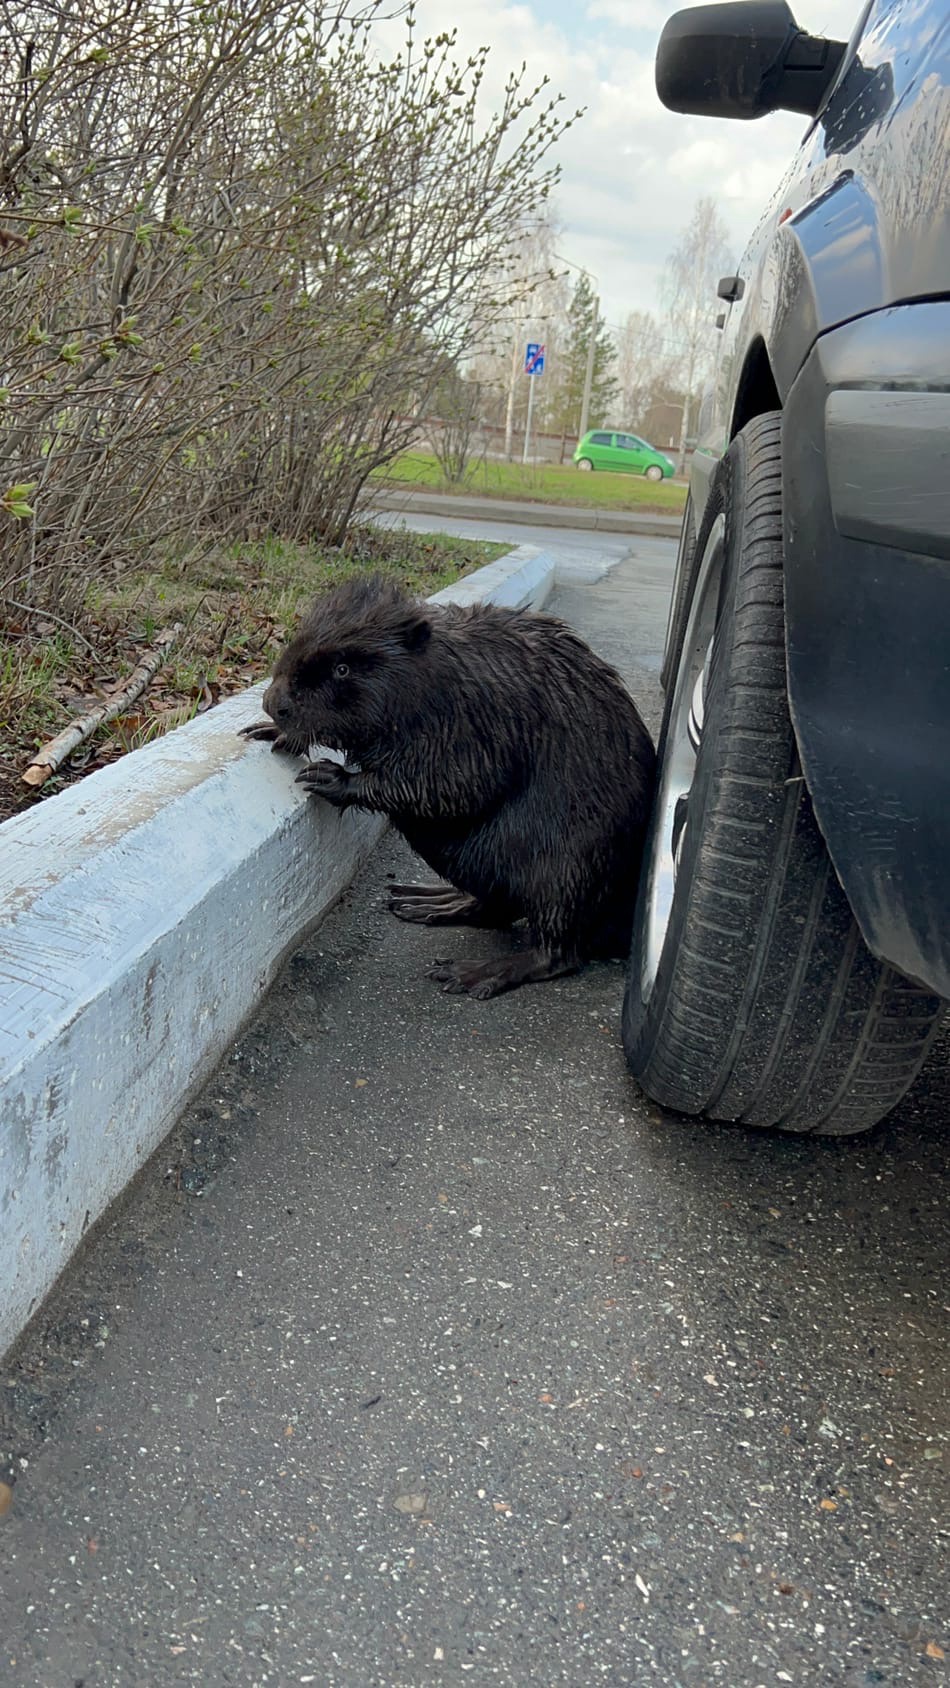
511 758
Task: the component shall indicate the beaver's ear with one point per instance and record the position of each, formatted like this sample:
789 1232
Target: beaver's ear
416 630
309 670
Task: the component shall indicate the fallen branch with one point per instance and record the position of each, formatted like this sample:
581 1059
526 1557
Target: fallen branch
47 615
53 754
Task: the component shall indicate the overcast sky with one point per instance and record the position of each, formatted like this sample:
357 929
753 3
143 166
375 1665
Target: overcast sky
631 171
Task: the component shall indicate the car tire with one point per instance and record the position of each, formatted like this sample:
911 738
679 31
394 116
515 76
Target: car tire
584 463
654 473
751 995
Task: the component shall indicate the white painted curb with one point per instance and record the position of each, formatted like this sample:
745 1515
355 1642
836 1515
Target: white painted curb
142 914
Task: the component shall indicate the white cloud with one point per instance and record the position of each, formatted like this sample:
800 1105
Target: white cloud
706 157
630 14
631 171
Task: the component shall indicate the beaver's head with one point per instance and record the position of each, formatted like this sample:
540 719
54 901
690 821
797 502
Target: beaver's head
351 678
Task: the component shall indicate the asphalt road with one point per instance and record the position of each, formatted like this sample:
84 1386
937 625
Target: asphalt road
581 555
448 507
428 1350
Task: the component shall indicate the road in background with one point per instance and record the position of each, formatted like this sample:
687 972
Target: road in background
581 556
427 1350
441 508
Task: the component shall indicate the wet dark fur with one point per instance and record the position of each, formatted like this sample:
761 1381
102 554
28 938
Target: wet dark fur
509 756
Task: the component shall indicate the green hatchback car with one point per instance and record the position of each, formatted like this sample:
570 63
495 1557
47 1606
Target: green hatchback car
626 452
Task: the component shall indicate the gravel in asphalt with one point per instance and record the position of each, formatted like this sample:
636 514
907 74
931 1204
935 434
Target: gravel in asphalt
428 1350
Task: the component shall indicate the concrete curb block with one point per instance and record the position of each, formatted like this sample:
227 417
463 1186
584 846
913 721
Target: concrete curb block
142 914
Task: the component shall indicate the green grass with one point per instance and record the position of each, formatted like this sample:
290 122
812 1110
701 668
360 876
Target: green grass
276 577
29 678
545 483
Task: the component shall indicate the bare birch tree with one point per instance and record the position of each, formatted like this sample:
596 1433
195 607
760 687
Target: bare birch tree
645 366
538 310
692 271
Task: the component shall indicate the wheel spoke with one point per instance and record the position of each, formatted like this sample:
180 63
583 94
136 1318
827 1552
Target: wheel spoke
694 722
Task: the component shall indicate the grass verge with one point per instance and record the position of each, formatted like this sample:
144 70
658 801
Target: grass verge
237 610
545 483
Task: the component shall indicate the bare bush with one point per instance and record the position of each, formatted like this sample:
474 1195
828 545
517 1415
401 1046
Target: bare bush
240 250
454 438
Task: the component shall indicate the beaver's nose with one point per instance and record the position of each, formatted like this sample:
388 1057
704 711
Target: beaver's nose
275 702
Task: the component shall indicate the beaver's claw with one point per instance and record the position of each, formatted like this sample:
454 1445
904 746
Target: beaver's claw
266 730
328 780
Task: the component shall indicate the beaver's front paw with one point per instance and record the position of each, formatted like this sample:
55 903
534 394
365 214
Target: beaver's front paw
329 780
267 731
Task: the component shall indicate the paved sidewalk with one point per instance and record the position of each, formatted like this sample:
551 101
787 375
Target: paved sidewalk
429 1351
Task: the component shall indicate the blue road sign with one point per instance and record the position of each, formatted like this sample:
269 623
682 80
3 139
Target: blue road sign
534 359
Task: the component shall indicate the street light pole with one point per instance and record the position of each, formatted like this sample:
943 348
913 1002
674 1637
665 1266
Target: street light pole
512 387
527 427
589 372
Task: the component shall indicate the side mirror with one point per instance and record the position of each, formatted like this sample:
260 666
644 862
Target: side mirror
743 59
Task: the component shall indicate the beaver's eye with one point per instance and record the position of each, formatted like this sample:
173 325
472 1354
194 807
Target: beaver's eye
341 670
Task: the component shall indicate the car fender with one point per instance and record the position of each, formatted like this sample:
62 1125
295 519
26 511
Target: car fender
866 481
805 273
824 267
